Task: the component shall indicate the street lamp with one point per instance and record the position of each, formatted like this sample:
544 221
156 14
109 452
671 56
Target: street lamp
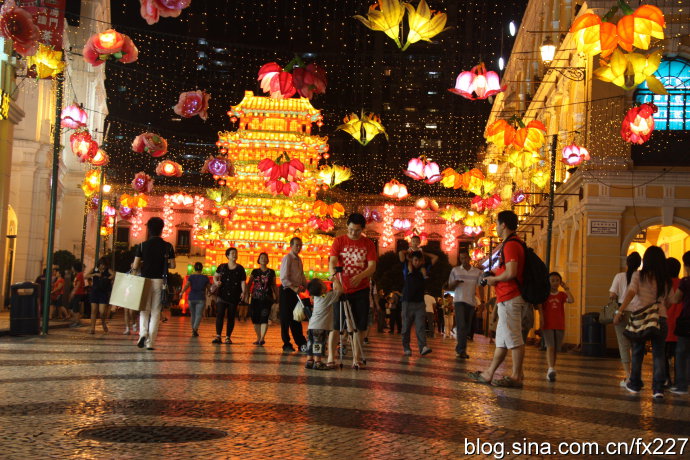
548 53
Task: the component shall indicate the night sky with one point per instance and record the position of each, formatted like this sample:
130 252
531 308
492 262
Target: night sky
218 46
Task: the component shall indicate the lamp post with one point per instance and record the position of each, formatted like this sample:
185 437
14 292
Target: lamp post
99 220
552 193
548 52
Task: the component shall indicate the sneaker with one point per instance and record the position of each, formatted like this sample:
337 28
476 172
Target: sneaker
425 351
255 343
658 395
141 342
407 353
551 375
262 342
623 383
288 348
309 364
126 331
677 391
627 387
228 341
217 340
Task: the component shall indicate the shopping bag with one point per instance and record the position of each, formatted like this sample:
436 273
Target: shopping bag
129 291
608 312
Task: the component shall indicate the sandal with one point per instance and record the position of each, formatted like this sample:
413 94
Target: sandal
477 377
320 366
330 365
506 382
309 364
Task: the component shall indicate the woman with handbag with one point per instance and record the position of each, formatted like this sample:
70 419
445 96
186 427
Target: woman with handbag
154 256
651 285
263 291
682 331
617 294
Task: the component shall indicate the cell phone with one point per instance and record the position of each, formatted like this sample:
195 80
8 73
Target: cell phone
338 269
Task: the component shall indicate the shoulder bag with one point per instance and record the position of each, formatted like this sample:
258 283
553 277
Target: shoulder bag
643 324
608 311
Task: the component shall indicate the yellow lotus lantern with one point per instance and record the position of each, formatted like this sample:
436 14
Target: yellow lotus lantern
451 178
363 128
522 159
474 181
92 180
488 186
385 16
282 210
474 220
629 70
47 62
453 214
424 23
334 175
133 201
540 178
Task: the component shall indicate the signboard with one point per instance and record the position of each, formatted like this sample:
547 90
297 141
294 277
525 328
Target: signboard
49 16
641 237
602 227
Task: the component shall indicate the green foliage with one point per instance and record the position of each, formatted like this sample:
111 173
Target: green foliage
388 274
64 260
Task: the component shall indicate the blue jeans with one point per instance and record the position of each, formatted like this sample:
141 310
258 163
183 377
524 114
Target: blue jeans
413 313
196 309
682 363
658 360
463 316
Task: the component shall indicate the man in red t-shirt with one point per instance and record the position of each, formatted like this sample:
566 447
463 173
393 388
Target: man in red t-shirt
356 255
77 296
506 281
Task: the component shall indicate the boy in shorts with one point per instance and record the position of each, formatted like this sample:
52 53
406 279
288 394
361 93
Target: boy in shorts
321 321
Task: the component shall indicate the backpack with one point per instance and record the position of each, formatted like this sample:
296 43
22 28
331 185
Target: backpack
535 286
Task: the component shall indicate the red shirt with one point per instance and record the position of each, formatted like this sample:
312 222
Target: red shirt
79 284
512 252
672 313
354 256
554 311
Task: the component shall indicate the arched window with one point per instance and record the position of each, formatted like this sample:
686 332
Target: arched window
674 109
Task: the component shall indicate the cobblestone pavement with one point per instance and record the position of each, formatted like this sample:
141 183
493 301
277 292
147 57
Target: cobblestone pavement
75 395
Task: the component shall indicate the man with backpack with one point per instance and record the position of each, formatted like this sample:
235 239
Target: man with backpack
507 281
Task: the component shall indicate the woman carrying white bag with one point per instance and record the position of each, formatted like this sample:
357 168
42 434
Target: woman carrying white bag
154 257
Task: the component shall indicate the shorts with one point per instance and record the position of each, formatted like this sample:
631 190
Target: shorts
553 337
359 305
260 310
56 302
509 328
316 342
76 300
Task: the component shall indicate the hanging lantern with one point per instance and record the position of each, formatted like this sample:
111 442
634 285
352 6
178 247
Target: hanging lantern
415 169
218 166
395 189
150 143
169 168
334 175
573 155
17 25
484 242
385 16
453 214
500 133
523 159
73 117
477 254
46 63
530 137
519 196
402 224
363 128
153 10
424 23
592 36
638 123
540 178
629 70
193 103
477 83
638 29
83 145
133 201
371 215
423 169
101 158
92 180
142 182
109 44
472 231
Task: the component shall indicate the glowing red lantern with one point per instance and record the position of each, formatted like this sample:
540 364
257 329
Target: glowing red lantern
169 169
101 158
109 44
477 83
395 189
83 145
477 254
573 155
73 117
638 123
421 203
150 143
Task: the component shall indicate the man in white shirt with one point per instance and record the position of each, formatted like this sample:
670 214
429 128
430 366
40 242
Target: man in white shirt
429 302
464 280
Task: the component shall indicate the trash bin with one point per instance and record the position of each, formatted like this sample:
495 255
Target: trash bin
24 317
593 335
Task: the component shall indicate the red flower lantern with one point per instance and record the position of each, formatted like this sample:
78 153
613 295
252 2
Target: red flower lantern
276 81
193 103
478 83
73 117
169 168
110 45
309 80
101 158
282 175
638 123
83 145
142 182
150 143
395 189
152 10
17 24
480 204
519 196
573 155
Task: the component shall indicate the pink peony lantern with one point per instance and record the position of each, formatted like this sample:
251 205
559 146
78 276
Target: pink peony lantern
101 158
638 123
18 25
73 117
142 182
573 155
477 83
169 168
153 10
415 169
193 103
150 143
109 44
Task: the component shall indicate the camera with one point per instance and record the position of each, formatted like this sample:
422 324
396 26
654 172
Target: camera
482 280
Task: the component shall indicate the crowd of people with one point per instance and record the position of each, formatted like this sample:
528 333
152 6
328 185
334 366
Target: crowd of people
345 312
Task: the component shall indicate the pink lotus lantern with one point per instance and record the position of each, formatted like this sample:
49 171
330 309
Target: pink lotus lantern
422 169
371 215
573 155
395 189
477 83
472 231
73 117
415 169
402 224
125 212
432 173
101 158
83 145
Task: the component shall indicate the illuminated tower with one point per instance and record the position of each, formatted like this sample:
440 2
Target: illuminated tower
262 222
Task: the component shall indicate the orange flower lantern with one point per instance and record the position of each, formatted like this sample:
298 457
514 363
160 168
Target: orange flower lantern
395 189
638 123
592 36
169 169
500 133
530 137
638 29
133 201
101 158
